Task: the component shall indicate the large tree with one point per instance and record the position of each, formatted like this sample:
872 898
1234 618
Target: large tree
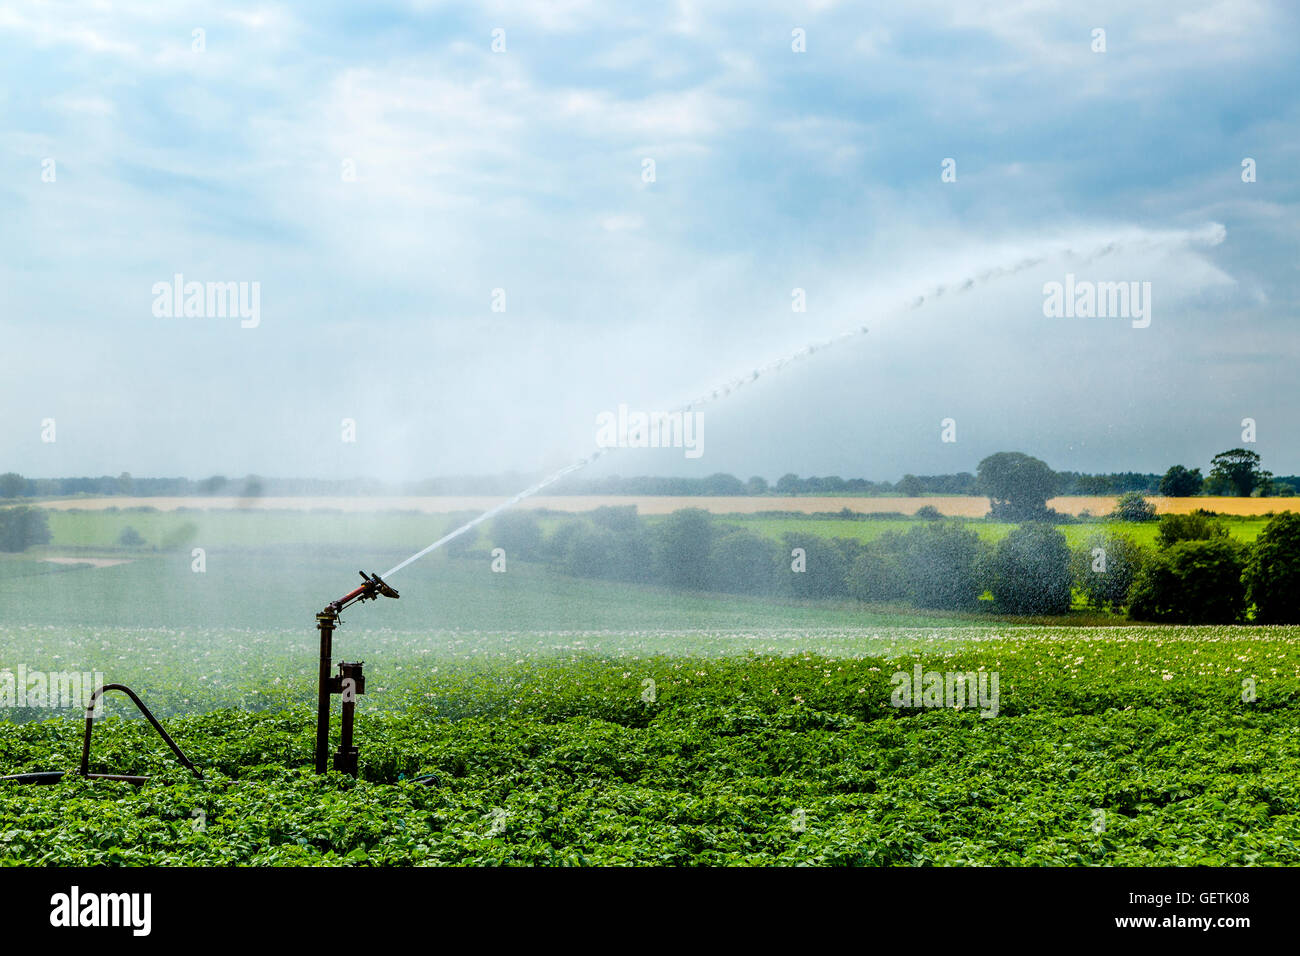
1239 469
1273 572
1181 482
12 484
1016 484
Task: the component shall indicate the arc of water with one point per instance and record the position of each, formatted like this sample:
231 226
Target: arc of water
1212 234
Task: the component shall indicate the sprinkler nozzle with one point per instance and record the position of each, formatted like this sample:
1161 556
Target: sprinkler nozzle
387 590
369 591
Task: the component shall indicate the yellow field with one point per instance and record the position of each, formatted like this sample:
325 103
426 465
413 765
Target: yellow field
658 505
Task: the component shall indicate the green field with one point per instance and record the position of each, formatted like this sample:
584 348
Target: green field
410 531
521 699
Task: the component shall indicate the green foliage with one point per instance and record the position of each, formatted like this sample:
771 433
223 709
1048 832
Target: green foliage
12 484
1105 569
1273 572
130 538
23 527
1029 571
909 485
825 566
1180 482
1017 485
877 575
682 544
519 533
939 564
1133 506
1192 582
752 760
742 562
1198 525
1237 469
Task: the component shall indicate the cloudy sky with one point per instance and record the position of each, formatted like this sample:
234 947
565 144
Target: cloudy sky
380 171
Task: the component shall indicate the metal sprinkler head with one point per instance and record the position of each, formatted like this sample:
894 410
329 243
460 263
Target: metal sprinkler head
374 586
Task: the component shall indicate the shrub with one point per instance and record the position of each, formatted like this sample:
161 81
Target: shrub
938 564
22 528
743 562
825 565
1029 571
1132 506
928 513
1273 572
1192 582
1196 526
590 552
130 538
876 575
519 532
682 543
621 519
1106 579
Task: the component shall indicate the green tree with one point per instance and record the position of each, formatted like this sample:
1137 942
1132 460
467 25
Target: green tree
1180 482
1198 525
681 546
210 486
757 485
1105 569
519 533
1017 485
788 484
825 567
1192 582
130 538
22 528
877 575
1132 506
1029 571
1273 571
12 484
1239 470
909 485
742 562
939 566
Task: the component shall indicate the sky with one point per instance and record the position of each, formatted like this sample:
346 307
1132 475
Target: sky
474 228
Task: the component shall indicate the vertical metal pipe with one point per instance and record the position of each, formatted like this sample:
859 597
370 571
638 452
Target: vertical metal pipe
346 758
325 623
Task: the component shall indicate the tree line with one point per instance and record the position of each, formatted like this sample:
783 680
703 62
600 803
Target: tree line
1234 472
1196 573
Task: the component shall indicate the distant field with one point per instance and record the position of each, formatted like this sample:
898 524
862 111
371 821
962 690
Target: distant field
399 534
953 506
1244 529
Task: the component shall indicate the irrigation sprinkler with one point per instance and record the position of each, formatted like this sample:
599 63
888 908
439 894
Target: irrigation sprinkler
349 683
